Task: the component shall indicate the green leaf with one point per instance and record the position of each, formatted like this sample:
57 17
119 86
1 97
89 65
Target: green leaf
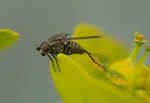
7 38
84 61
76 85
109 48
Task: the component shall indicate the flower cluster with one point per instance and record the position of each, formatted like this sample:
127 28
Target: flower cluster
82 81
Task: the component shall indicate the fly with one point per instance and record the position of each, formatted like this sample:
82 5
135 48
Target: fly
62 44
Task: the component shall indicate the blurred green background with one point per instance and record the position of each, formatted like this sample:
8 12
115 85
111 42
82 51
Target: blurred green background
24 74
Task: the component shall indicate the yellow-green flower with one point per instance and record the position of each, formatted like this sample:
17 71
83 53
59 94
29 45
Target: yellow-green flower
7 38
82 81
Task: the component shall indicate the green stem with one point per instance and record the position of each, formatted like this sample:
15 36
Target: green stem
134 52
142 59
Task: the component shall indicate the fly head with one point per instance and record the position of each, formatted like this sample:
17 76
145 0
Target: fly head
44 47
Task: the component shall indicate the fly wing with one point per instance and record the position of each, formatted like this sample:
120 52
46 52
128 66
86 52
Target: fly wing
88 37
58 38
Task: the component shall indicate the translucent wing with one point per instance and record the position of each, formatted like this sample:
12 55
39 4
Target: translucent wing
58 38
61 38
88 37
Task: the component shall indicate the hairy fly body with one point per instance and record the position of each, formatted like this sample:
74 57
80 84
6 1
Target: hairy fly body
62 44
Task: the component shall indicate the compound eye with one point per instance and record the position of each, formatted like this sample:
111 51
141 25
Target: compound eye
45 47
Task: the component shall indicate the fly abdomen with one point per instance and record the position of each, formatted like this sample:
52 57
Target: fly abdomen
75 47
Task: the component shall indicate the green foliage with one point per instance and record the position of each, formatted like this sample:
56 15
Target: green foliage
75 85
7 38
82 81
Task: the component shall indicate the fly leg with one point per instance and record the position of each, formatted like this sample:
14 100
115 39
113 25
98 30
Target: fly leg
65 51
56 62
77 51
52 62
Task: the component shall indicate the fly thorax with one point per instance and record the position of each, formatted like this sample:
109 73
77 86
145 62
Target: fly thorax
60 48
